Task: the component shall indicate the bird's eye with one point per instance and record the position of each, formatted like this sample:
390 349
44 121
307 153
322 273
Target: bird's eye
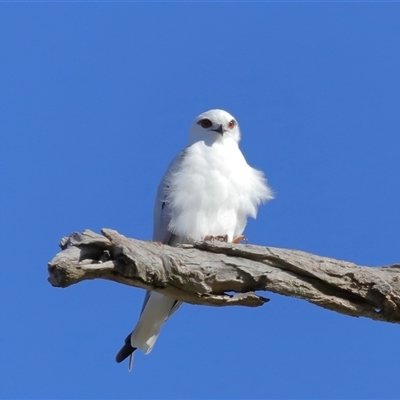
232 124
205 123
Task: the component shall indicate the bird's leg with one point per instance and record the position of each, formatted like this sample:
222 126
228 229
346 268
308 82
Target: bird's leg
217 238
239 239
221 238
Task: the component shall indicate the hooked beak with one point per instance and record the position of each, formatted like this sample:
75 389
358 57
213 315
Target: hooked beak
220 129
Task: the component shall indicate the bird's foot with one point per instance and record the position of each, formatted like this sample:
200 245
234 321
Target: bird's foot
212 238
239 239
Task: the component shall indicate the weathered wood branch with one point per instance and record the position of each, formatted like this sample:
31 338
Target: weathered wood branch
208 273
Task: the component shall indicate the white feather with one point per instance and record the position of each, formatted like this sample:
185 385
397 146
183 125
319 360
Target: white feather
213 191
155 312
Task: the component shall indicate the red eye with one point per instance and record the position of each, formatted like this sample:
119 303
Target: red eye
231 124
205 123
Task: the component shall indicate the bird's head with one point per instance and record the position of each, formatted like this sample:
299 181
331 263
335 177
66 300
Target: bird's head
214 125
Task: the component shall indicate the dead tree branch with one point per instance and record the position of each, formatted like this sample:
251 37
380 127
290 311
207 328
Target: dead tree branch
207 272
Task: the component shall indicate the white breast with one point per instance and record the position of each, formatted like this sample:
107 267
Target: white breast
212 191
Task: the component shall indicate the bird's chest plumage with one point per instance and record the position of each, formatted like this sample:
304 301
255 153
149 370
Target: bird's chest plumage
208 191
217 173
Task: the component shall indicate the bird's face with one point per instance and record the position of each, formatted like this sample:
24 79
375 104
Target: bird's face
214 125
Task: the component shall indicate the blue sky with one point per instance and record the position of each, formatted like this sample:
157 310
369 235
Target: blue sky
95 100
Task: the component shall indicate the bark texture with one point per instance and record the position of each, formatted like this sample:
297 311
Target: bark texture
223 274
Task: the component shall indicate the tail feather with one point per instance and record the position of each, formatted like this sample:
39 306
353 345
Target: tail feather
156 310
126 350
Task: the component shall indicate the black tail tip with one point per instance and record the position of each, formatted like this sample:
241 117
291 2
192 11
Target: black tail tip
124 353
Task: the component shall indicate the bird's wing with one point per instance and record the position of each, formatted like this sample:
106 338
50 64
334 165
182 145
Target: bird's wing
162 212
156 308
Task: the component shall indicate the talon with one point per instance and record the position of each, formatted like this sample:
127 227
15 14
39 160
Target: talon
219 238
239 239
223 238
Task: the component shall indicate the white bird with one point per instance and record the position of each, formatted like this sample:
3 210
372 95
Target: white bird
208 191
